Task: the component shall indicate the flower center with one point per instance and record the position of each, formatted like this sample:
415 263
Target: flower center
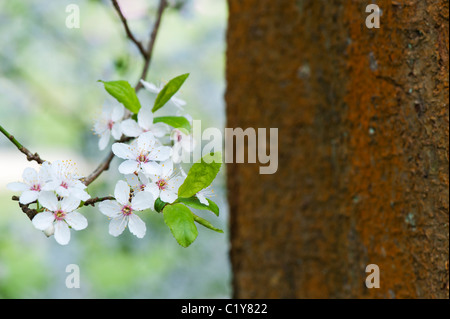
36 188
127 210
162 184
179 137
59 215
143 158
110 124
64 185
142 187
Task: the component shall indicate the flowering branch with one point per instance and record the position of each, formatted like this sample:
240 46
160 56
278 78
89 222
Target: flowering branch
21 148
147 55
128 31
153 176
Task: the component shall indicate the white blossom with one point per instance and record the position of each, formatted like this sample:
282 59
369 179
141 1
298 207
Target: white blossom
182 142
109 123
144 124
65 181
121 211
32 185
165 182
141 154
59 215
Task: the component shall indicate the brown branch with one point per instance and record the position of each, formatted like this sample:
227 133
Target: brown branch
128 31
104 165
33 212
93 201
147 54
30 156
151 43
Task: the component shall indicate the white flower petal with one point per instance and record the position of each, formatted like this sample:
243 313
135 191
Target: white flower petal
160 153
131 128
129 167
43 220
159 129
76 220
48 200
133 181
116 131
142 201
117 113
62 232
123 150
136 226
168 196
150 87
151 168
202 199
110 208
18 186
78 193
145 118
167 168
175 183
45 173
70 203
30 176
104 139
153 189
122 192
117 225
28 197
146 141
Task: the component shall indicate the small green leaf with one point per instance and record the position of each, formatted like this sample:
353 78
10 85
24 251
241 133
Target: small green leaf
124 93
174 121
206 223
180 220
168 91
195 203
201 175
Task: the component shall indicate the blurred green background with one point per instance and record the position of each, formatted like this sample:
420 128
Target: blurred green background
49 98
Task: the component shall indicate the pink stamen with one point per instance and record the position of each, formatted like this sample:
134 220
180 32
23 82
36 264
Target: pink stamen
64 185
142 158
162 184
127 210
110 124
59 215
36 188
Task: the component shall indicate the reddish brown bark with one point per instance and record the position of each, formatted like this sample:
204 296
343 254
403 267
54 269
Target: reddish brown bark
363 148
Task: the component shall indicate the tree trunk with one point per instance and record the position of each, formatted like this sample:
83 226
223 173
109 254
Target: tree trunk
363 148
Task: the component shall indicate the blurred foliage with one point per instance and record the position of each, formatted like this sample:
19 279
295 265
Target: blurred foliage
49 97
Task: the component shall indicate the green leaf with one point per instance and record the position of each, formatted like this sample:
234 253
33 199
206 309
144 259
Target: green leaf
124 93
206 223
174 121
168 91
201 175
180 220
195 203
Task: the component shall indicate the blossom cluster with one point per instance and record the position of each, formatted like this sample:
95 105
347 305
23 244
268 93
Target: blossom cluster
58 190
151 169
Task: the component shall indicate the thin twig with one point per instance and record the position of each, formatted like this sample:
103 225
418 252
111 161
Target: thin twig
128 31
30 156
151 43
93 201
147 54
103 166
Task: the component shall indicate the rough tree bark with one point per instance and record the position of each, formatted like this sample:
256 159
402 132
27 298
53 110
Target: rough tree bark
363 148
